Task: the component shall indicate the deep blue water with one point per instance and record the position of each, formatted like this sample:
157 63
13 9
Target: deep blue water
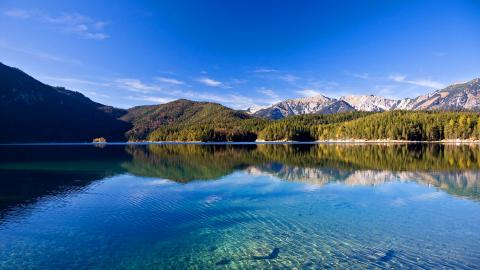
242 207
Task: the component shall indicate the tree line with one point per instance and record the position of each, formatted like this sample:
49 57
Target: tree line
393 125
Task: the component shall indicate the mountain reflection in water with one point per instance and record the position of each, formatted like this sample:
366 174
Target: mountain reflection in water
29 172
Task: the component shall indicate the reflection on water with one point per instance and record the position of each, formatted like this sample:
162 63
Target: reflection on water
454 169
244 206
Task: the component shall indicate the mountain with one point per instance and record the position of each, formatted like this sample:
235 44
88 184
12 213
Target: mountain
255 108
370 103
31 111
179 114
310 105
461 96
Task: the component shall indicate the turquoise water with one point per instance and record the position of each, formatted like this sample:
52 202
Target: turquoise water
240 207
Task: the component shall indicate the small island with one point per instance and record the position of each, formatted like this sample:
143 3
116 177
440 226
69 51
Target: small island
99 140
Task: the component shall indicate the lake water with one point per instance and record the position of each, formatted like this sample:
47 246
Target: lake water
240 206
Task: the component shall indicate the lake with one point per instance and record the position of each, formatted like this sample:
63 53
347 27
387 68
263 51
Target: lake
271 206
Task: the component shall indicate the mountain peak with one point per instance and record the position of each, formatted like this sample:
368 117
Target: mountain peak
318 104
370 103
459 96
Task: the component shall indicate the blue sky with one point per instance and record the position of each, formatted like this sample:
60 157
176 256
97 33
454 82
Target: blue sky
241 53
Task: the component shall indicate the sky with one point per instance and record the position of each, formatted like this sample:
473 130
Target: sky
241 53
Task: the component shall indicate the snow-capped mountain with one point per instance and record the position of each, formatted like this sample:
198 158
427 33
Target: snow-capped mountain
309 105
370 103
255 108
460 96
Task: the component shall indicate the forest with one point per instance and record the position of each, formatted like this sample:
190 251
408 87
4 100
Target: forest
393 125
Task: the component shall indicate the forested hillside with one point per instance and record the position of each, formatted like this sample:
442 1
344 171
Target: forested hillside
394 125
185 120
213 122
405 125
31 111
301 127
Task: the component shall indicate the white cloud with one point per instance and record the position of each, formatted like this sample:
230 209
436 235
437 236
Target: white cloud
273 96
136 85
153 99
400 78
397 77
210 82
169 80
80 25
308 92
288 78
264 70
83 31
360 75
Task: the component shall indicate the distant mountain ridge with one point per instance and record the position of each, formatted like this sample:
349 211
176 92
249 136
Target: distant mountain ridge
309 105
460 96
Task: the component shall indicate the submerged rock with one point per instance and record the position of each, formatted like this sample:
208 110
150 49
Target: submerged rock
272 255
388 256
223 262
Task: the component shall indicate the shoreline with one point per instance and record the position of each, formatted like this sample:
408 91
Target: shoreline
350 141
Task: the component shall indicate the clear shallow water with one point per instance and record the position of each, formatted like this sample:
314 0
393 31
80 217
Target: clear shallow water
216 206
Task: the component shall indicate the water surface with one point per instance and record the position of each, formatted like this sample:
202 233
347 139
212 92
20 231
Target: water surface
240 206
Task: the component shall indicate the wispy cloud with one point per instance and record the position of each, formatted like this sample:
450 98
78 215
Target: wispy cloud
273 97
95 94
154 99
40 54
90 88
169 80
363 76
288 78
155 91
237 101
265 70
18 13
210 82
308 92
401 78
159 93
136 85
75 23
275 74
76 81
